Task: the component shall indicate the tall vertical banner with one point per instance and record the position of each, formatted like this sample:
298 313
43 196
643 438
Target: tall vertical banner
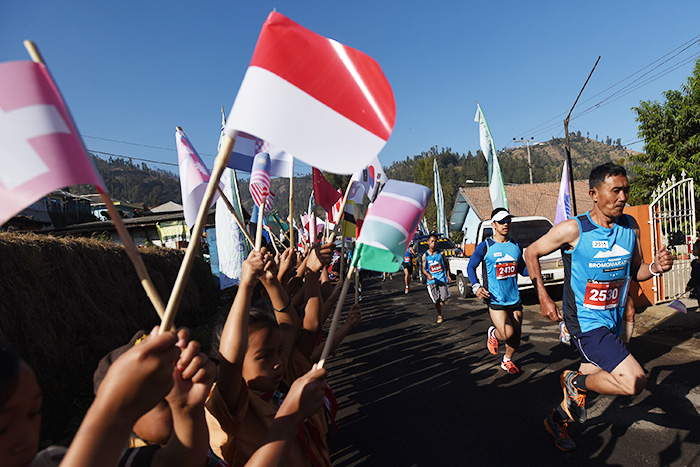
564 200
231 244
497 189
307 93
439 201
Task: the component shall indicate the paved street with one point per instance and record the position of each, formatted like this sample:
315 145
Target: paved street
412 392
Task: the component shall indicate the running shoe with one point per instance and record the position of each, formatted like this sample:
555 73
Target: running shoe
574 403
564 335
439 320
406 291
510 367
491 341
559 431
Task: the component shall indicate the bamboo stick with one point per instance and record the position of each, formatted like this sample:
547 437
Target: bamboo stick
258 232
336 315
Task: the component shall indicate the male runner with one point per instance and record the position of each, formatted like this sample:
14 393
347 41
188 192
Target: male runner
502 260
435 269
601 253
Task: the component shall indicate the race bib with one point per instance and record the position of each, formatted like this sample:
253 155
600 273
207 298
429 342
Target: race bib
506 270
603 295
435 268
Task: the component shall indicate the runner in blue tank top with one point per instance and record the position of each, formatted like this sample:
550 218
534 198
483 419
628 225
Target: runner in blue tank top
435 270
601 253
501 260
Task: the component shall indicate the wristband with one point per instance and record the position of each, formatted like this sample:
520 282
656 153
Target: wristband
655 274
475 287
289 300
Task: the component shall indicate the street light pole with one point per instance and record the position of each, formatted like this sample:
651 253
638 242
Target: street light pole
529 161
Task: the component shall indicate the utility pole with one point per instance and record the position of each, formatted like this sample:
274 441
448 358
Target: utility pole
529 161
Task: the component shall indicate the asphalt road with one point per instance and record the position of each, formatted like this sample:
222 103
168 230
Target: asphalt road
412 392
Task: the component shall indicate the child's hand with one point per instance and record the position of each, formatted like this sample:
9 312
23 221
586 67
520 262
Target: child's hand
252 268
354 316
319 257
287 261
269 268
305 396
193 376
141 377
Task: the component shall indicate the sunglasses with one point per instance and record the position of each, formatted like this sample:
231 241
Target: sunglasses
504 221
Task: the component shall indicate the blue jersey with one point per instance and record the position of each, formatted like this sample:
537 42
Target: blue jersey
597 274
435 265
501 264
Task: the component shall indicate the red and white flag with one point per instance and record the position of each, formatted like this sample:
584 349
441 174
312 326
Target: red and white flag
40 147
194 177
316 94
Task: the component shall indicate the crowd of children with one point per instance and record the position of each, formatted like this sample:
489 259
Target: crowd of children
258 399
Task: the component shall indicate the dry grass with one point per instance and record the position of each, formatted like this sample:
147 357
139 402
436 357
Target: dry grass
64 303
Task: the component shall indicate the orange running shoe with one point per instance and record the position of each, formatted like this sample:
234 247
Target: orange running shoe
574 403
559 431
510 367
491 341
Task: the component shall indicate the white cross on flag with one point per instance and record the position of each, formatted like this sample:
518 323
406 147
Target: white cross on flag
40 147
328 104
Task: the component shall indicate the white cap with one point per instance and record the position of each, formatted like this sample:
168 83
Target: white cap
501 215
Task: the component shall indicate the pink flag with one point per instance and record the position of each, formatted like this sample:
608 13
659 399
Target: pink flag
260 178
316 94
40 147
194 176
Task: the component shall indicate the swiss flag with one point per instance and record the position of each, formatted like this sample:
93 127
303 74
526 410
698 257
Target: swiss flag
328 104
40 147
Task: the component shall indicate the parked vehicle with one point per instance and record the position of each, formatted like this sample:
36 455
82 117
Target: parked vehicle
524 230
444 245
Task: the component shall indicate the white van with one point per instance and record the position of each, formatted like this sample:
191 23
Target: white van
524 230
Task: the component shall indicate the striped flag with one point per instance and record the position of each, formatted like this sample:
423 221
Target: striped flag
497 189
316 94
439 200
389 225
260 178
194 176
564 201
40 146
247 146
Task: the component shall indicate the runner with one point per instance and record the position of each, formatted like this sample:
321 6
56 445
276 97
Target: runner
602 253
407 265
435 269
502 260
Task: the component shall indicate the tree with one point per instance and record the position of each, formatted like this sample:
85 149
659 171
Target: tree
671 133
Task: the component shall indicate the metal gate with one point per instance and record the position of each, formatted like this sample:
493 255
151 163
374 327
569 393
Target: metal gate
672 219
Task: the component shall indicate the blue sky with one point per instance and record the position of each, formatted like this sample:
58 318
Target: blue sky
131 71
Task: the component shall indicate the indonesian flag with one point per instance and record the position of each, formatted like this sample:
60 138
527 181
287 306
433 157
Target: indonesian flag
194 176
316 94
40 147
260 178
389 225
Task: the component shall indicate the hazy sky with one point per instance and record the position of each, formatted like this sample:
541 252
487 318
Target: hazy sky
131 71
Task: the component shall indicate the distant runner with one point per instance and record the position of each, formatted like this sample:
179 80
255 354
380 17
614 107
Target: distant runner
602 253
435 269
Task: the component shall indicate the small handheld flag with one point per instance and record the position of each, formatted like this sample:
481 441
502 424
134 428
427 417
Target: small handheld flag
194 176
317 94
389 225
260 178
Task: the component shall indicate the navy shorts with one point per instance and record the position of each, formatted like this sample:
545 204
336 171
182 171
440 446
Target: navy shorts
602 348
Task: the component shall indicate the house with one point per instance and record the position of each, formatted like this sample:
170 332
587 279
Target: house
473 204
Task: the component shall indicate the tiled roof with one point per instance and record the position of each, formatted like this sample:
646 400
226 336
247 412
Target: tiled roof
538 199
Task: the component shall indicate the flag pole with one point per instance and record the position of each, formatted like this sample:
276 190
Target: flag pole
220 164
233 212
291 207
272 236
128 243
336 315
258 232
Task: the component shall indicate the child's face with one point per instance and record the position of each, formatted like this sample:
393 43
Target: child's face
20 421
156 425
262 366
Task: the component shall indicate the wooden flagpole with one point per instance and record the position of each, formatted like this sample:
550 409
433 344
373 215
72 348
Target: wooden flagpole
291 207
336 315
220 164
258 232
341 215
131 250
273 238
232 210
